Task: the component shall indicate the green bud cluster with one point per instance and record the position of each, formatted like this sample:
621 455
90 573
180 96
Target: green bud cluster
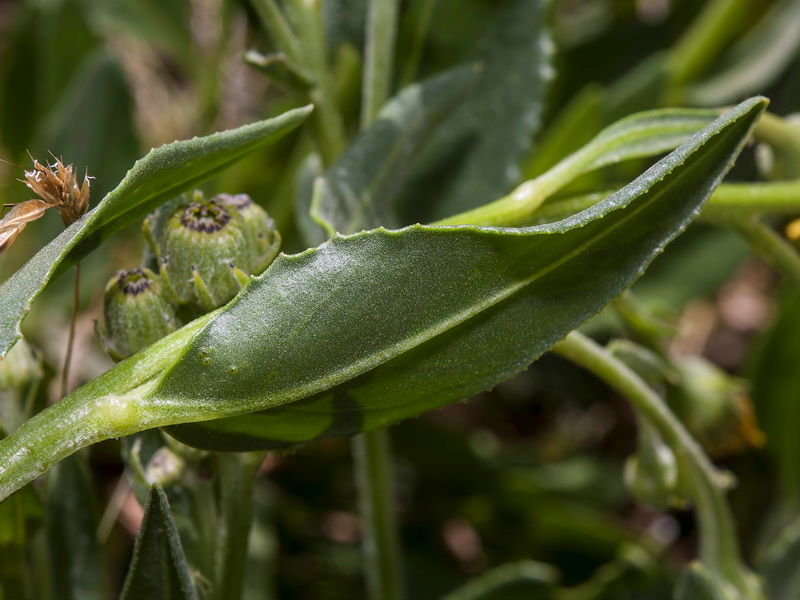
207 250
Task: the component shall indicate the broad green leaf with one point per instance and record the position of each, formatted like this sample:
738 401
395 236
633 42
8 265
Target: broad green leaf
379 326
781 565
698 584
363 182
757 60
480 146
158 570
76 561
162 174
402 322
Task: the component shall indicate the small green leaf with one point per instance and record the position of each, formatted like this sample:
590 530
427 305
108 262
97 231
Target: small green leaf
698 584
162 174
363 182
158 570
76 561
781 565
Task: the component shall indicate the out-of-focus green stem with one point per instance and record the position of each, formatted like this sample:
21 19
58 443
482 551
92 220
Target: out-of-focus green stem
236 472
373 466
719 549
714 27
279 29
306 16
379 57
418 43
769 245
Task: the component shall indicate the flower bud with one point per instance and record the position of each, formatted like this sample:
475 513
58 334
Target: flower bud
205 254
137 313
20 367
165 467
714 406
651 474
262 236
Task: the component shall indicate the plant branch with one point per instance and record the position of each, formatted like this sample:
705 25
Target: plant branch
379 57
374 472
719 549
71 337
769 245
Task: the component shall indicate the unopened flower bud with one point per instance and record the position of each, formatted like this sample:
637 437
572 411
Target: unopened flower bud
651 474
20 367
137 313
714 406
165 467
262 236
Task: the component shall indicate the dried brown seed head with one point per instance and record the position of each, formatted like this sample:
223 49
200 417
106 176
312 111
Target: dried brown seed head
57 185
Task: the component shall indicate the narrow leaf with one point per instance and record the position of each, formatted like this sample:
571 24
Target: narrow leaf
158 570
162 174
363 182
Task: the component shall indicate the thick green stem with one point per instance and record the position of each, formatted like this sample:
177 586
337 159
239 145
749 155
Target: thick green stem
373 467
236 477
379 57
719 549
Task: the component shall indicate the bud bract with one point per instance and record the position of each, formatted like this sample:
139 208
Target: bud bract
137 313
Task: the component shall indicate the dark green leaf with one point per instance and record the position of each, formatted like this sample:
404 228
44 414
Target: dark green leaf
481 145
160 175
376 327
158 570
362 184
78 571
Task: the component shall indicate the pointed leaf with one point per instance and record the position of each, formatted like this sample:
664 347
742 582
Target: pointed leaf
158 570
375 327
162 174
364 181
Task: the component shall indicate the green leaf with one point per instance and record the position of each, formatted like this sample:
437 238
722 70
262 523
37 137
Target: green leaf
481 145
158 570
384 325
363 182
77 567
162 174
643 134
698 584
781 565
372 328
537 575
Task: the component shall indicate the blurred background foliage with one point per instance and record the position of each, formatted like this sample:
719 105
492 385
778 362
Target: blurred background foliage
530 471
